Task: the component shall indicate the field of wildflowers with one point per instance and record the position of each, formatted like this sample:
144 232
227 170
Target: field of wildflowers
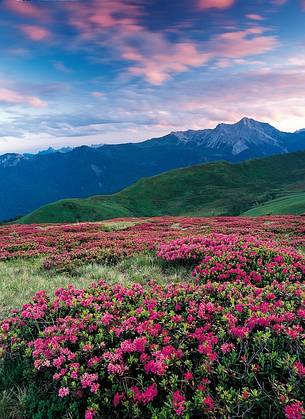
228 344
64 247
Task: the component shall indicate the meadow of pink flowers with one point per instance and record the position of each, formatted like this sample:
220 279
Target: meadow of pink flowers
229 344
65 247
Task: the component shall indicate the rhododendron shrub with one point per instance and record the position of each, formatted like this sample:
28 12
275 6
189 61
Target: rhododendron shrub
259 266
219 349
193 249
218 257
71 261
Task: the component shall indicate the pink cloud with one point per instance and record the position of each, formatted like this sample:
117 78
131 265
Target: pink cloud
35 33
98 94
17 98
117 23
158 66
93 20
25 8
297 61
254 16
241 44
157 60
215 4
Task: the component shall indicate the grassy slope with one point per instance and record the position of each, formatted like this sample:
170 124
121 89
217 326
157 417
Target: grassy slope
20 279
291 204
72 210
217 188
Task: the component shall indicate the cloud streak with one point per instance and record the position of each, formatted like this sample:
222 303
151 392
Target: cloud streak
161 64
99 16
14 97
245 43
215 4
162 59
256 17
35 33
26 9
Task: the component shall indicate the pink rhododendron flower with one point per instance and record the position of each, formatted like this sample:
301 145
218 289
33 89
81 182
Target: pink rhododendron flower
117 399
90 414
300 368
63 391
294 411
147 396
178 401
188 376
209 402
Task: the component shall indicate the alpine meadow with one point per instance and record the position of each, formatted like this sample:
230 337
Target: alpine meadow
152 209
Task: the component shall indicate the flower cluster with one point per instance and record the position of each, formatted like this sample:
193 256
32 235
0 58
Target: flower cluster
218 349
247 259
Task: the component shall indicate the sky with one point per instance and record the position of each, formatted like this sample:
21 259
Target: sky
78 72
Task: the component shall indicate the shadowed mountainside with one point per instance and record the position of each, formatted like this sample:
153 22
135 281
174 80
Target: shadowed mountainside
219 188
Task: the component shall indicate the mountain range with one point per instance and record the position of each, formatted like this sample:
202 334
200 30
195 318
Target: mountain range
268 185
29 181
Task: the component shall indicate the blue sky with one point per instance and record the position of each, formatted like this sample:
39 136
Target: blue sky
106 71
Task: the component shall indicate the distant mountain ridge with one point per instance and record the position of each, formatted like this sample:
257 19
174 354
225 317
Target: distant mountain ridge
241 136
29 181
268 185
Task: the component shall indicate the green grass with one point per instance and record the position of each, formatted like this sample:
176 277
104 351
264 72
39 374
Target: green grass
11 402
218 188
20 279
117 226
291 204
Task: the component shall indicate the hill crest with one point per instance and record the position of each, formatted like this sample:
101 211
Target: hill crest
216 188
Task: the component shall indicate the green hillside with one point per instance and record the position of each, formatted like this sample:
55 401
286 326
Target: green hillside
291 204
218 188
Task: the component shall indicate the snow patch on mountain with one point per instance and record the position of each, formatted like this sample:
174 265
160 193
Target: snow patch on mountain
11 159
239 147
